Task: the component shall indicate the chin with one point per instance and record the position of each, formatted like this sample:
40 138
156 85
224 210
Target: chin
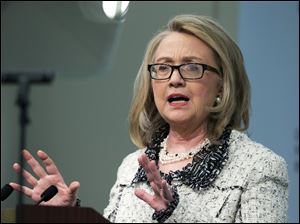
178 120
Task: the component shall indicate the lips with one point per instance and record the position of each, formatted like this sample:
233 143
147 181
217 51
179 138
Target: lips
177 97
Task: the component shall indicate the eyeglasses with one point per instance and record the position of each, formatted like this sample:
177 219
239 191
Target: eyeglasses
186 71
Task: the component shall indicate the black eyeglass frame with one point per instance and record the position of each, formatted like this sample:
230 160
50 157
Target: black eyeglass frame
173 67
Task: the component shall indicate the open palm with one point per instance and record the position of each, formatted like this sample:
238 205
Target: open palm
162 192
45 177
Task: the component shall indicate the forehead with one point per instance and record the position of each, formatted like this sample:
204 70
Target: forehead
177 45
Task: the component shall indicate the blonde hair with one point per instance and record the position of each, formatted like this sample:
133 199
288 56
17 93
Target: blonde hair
234 108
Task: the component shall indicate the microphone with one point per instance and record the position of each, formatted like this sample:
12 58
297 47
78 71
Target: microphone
31 77
48 194
6 190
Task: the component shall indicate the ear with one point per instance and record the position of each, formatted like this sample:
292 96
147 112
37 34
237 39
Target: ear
220 88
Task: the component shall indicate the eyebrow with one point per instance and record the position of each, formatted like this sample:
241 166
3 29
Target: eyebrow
184 59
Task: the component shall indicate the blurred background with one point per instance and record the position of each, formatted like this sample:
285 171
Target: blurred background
81 118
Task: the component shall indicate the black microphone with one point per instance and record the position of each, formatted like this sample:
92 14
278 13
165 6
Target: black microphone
48 194
6 191
31 77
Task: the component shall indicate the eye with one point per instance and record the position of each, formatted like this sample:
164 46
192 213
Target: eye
162 68
193 67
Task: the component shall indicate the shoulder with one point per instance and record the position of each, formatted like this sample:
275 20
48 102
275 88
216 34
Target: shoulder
244 148
248 159
129 166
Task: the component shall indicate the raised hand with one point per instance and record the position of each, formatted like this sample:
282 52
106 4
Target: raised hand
162 192
66 195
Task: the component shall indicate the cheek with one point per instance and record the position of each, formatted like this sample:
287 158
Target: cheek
158 92
207 98
204 97
210 90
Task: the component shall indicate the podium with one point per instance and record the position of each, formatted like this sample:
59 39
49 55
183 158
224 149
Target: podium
56 214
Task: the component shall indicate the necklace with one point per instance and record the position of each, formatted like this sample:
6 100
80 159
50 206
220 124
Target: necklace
201 173
165 157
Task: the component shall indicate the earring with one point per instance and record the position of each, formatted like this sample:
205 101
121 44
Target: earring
218 100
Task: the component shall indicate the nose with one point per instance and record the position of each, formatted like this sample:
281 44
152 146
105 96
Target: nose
176 79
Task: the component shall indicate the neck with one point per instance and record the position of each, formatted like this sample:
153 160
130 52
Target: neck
182 140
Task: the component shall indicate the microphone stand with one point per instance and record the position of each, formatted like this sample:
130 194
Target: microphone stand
23 103
24 80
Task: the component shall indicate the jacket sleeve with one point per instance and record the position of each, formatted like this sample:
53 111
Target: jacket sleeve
265 199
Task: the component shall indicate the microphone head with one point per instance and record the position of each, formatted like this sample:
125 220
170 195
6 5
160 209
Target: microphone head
6 191
49 193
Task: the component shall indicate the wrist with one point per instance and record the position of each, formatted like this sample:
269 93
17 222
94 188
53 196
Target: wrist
162 215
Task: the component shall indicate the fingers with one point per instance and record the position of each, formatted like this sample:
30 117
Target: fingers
48 162
167 192
157 190
154 173
162 192
151 169
149 199
26 190
144 161
141 194
159 186
34 164
27 176
74 186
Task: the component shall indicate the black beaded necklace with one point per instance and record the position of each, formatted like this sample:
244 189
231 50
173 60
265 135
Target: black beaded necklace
199 174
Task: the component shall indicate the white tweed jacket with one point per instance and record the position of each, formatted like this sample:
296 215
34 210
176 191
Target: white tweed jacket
262 195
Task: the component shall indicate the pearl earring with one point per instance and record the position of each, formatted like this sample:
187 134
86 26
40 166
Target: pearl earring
218 100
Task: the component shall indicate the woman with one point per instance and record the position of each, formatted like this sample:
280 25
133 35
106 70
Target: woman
190 106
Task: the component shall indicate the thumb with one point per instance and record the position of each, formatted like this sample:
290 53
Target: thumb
74 186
